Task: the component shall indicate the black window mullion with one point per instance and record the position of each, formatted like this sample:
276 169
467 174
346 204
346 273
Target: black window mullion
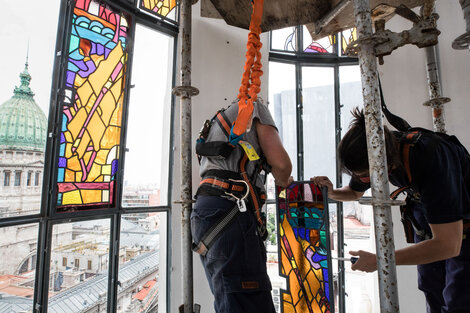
113 269
41 286
339 205
299 109
299 119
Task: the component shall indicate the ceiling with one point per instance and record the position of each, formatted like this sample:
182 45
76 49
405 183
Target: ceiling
283 13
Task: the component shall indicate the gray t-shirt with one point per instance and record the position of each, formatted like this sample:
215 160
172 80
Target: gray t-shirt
262 114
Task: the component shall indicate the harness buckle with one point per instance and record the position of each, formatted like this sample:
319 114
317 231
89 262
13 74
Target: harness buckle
240 201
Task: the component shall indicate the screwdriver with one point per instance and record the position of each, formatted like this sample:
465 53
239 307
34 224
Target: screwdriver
351 259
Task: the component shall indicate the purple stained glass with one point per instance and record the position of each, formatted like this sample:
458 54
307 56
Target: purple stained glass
62 162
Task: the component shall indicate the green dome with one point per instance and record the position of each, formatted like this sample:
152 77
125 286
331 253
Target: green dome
22 122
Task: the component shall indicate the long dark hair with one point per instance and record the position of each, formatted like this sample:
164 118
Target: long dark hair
352 149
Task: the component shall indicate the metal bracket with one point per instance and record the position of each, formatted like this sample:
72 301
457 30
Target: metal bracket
436 102
196 308
184 201
372 201
185 91
463 41
423 34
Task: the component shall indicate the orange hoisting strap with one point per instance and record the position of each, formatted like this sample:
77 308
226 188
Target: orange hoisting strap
248 93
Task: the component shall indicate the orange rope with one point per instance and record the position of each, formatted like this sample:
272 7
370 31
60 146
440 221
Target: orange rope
248 93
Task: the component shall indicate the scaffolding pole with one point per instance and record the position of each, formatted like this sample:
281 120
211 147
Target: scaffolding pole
386 269
463 41
185 92
436 101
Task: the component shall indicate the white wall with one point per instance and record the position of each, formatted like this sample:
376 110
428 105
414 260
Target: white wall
218 56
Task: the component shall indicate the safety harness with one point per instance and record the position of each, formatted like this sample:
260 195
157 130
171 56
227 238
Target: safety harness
407 142
410 136
410 224
236 185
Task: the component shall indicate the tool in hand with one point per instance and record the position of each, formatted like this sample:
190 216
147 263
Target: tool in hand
351 259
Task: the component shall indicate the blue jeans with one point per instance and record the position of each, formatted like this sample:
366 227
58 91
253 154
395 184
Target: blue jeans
235 264
446 284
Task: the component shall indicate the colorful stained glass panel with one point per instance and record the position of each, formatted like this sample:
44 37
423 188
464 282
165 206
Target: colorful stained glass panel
323 45
92 107
347 36
284 39
304 251
160 7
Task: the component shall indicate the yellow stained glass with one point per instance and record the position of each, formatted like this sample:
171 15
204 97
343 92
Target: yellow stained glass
91 196
162 7
71 197
90 134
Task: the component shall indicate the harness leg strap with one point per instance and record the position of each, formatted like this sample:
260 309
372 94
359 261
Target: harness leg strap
203 246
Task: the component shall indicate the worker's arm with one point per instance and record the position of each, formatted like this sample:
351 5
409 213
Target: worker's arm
445 243
275 154
341 194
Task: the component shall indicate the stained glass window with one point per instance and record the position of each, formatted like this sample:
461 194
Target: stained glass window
161 7
347 36
304 250
92 107
322 45
284 39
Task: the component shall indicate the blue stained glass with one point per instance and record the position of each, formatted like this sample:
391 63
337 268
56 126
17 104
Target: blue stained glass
317 258
62 162
114 166
60 175
64 122
62 149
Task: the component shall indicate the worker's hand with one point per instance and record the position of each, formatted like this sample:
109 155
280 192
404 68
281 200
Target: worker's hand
367 261
321 181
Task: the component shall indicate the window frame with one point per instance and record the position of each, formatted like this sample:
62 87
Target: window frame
17 181
335 60
6 178
46 218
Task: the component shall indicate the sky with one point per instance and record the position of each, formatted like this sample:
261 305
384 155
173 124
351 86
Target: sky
35 23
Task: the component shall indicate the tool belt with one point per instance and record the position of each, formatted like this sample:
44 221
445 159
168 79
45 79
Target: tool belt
227 184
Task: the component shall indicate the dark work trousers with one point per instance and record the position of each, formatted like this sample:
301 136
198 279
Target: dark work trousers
235 264
446 284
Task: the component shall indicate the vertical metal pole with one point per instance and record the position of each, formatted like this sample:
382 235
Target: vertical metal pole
339 205
463 41
185 91
436 102
386 269
299 107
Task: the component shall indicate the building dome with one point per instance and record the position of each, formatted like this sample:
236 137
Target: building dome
22 122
